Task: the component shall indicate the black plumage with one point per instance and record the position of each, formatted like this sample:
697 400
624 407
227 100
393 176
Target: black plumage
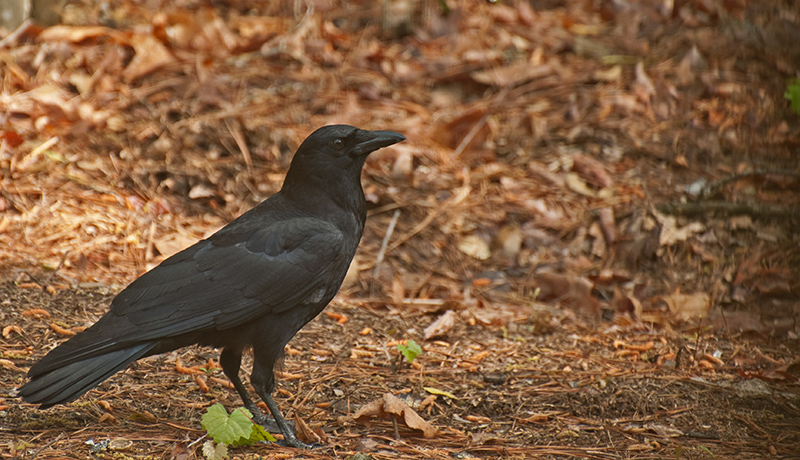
254 283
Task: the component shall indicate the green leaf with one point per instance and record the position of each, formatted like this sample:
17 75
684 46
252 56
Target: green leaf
237 428
223 428
411 350
257 434
793 94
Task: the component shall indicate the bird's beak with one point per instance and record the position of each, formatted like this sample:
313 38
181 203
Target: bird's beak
370 141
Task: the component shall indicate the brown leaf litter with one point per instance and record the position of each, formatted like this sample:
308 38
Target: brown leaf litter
604 196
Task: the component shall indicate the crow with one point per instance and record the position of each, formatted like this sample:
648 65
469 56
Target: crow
253 284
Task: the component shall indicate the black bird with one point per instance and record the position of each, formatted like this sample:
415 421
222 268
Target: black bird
254 283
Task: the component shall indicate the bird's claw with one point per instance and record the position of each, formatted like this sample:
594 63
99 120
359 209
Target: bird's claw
271 426
292 441
268 423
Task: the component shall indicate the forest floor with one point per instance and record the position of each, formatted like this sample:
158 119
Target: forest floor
591 229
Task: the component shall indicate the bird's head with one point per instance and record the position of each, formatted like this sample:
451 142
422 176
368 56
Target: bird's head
336 154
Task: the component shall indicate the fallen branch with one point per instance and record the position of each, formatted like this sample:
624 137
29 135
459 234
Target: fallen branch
726 209
713 188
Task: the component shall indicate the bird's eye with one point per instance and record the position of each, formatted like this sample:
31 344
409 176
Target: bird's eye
338 144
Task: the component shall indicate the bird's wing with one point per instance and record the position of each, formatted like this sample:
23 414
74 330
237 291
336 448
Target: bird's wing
239 274
223 282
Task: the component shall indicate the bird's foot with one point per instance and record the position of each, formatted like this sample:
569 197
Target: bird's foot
286 428
268 423
271 426
289 439
292 441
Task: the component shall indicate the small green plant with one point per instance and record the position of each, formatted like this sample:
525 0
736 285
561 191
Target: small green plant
236 429
793 94
707 451
411 350
211 370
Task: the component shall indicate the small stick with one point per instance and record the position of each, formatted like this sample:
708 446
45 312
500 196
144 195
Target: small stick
385 243
39 451
11 39
235 129
500 97
396 430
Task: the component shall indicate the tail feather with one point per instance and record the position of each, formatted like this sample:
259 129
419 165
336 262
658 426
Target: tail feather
63 384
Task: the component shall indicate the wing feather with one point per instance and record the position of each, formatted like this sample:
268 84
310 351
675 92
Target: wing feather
218 284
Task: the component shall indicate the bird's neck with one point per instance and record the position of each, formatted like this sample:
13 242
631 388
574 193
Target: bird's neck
329 198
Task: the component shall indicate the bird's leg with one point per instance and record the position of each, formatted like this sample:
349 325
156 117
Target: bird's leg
289 437
230 360
263 380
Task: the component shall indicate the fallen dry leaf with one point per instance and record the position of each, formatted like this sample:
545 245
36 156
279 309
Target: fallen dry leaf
172 243
75 33
687 307
625 303
643 86
150 55
611 74
306 433
739 321
475 246
391 406
108 419
572 291
575 183
671 234
441 326
511 75
508 243
591 170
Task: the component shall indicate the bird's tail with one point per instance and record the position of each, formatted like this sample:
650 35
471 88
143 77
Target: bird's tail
63 384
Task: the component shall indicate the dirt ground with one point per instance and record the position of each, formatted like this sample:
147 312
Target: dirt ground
546 389
596 209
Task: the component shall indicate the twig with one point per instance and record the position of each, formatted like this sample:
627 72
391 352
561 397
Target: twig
382 252
434 302
196 441
726 208
235 128
712 188
474 131
433 214
11 39
148 247
37 150
396 429
385 242
52 274
461 194
39 450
